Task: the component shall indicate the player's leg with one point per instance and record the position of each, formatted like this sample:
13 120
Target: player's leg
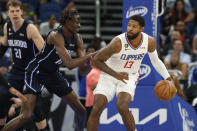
100 101
125 93
79 109
42 109
56 83
5 104
123 100
77 118
104 93
41 113
24 116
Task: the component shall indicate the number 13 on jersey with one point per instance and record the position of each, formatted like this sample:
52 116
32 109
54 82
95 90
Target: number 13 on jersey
128 64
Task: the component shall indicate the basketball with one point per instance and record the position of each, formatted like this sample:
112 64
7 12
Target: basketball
165 90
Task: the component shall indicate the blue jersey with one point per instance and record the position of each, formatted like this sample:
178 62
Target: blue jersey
23 49
48 59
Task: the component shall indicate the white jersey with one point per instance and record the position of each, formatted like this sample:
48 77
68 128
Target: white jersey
129 58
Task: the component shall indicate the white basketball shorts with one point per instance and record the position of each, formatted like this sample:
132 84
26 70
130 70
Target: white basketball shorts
109 86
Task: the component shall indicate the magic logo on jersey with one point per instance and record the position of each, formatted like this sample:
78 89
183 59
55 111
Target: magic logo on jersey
132 57
17 43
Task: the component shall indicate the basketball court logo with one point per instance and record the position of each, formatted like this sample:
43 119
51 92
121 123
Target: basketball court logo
188 124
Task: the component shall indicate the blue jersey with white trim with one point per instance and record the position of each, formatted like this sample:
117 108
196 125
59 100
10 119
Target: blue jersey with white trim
48 59
23 49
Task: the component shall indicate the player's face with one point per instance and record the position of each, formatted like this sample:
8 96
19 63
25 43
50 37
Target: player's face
133 29
14 13
90 50
75 24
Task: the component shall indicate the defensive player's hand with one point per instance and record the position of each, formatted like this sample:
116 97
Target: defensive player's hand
11 111
123 76
18 102
93 54
18 94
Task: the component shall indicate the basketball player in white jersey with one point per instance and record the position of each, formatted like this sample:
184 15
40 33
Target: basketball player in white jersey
120 62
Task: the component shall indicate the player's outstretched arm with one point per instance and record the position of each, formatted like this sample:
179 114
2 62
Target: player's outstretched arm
83 69
58 40
104 54
156 62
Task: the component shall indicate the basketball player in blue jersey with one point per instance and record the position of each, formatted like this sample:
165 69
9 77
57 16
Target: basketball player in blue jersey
120 74
25 41
44 68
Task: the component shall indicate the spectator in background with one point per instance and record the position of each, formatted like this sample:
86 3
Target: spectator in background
178 46
179 14
28 13
98 42
187 5
194 47
46 27
91 83
185 36
175 64
81 82
180 26
65 4
168 45
178 86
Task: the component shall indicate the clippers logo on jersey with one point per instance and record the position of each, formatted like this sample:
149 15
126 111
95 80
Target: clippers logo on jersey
17 43
132 57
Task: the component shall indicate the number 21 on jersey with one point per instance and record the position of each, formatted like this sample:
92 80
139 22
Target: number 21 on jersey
17 53
128 64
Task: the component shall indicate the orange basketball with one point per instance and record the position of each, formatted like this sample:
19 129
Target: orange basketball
165 90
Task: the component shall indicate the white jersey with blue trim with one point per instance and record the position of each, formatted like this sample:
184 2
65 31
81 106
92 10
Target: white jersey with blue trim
129 58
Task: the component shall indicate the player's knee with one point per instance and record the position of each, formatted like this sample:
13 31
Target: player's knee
122 108
97 110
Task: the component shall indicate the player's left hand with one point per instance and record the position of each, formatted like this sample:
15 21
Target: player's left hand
123 76
18 94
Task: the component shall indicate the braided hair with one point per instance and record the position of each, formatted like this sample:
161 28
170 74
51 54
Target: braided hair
68 14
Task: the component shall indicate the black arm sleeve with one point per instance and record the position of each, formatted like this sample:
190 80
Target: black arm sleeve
3 50
3 82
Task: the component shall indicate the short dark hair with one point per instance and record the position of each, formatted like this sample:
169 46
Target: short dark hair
68 14
90 46
139 19
14 3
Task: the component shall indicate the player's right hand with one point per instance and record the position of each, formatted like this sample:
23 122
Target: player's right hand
18 94
123 76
